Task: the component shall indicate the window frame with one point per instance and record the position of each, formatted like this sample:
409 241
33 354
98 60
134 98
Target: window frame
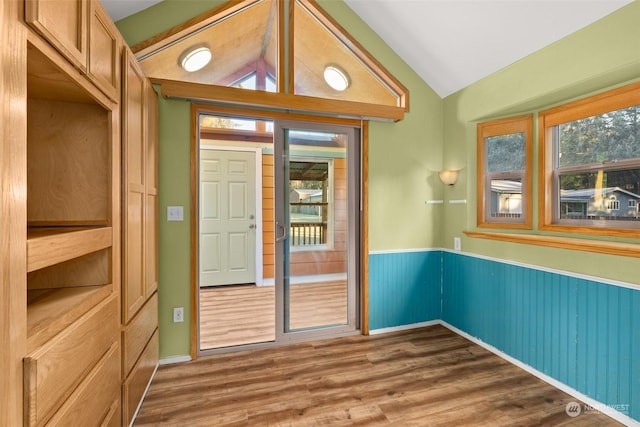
510 125
548 120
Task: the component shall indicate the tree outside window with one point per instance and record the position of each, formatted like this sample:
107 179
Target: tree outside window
590 150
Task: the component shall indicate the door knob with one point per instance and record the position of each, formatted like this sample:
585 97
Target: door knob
252 226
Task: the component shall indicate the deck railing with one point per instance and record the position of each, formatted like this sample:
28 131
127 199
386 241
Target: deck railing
308 233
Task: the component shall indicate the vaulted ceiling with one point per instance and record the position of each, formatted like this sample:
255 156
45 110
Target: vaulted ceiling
454 43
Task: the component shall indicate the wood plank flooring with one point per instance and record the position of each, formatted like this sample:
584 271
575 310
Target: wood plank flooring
422 377
236 315
245 314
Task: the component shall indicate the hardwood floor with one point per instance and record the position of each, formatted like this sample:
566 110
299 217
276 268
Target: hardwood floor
245 314
235 315
422 377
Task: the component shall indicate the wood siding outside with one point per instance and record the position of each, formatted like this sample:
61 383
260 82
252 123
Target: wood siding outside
307 262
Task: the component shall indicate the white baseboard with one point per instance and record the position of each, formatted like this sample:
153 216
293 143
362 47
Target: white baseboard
404 327
174 359
594 404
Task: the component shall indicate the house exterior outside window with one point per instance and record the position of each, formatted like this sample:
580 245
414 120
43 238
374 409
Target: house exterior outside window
504 173
590 153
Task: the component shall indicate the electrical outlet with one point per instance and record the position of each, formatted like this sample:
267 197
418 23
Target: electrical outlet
178 314
457 244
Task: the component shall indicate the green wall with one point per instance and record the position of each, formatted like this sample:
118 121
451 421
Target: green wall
403 159
601 56
404 156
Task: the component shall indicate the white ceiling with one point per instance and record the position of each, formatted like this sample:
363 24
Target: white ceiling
454 43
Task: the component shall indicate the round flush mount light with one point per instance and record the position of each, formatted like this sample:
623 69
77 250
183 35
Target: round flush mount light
335 77
195 59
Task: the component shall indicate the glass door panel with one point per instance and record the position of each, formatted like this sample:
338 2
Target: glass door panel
236 292
315 260
295 204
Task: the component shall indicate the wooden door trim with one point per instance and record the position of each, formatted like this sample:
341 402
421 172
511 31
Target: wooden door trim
364 220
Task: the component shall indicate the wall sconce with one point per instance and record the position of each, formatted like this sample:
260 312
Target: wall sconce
448 177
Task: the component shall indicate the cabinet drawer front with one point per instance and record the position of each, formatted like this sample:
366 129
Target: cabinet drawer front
54 370
136 383
138 332
114 416
93 402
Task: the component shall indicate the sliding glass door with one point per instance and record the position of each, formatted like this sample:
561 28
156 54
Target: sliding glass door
316 229
278 232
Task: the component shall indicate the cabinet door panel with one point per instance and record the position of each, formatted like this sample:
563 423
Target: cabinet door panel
133 150
133 278
64 24
151 189
104 52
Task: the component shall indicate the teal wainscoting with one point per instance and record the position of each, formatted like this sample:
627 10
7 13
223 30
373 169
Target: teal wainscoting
404 288
582 332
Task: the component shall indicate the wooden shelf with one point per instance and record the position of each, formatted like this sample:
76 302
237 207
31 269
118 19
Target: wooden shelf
47 246
49 311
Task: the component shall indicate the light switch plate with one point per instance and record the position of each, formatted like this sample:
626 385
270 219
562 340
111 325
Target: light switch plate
175 213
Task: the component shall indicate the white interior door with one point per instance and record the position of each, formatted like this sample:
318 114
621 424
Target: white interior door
227 240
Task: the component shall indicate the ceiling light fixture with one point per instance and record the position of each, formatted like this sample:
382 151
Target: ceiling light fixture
335 77
195 58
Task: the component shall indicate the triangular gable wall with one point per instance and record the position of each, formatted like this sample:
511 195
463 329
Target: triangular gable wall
249 36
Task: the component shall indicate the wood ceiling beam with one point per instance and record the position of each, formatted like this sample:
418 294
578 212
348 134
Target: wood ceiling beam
278 101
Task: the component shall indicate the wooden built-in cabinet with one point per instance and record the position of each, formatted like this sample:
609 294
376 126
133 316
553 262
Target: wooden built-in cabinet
83 33
139 248
72 347
72 254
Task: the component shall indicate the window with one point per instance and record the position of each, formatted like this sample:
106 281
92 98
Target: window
309 202
274 47
504 173
254 81
590 151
